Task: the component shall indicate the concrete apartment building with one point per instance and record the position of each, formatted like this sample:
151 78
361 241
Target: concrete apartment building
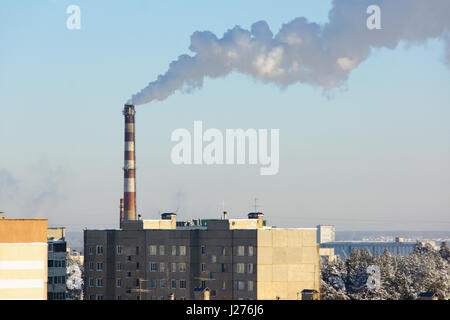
233 258
23 259
57 263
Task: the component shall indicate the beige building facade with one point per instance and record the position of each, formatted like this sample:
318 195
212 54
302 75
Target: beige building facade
233 258
23 259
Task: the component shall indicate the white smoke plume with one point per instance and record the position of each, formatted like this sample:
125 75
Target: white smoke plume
303 51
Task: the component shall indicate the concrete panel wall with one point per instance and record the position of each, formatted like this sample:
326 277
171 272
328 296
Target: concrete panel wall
288 262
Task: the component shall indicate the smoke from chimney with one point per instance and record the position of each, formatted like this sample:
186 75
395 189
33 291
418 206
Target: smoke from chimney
303 51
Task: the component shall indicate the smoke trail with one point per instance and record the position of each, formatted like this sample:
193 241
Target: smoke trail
303 51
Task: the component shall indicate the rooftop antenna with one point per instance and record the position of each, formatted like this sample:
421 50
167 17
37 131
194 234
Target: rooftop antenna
256 205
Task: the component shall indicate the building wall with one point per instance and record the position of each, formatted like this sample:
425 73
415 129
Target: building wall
253 263
57 270
23 259
288 262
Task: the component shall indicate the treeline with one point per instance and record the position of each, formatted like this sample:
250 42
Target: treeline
363 276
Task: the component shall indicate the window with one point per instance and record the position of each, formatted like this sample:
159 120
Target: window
50 263
250 251
161 298
152 250
213 258
182 250
153 266
137 251
162 283
173 284
250 285
240 268
128 274
138 283
162 267
212 275
182 267
137 266
240 250
213 293
223 267
50 248
99 249
223 251
203 250
118 283
182 284
174 250
250 268
118 266
173 267
91 282
128 258
119 250
203 267
99 297
91 266
202 284
241 285
162 250
99 283
99 266
224 285
152 284
90 250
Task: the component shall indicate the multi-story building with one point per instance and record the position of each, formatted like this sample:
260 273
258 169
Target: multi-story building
23 259
233 258
57 260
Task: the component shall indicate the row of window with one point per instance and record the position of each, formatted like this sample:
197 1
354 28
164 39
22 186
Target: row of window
153 284
56 296
174 267
161 250
56 280
56 263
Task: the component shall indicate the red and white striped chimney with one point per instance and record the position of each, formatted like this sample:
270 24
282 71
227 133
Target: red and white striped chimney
129 187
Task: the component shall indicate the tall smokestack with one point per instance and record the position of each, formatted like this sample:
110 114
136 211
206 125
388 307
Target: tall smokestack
129 188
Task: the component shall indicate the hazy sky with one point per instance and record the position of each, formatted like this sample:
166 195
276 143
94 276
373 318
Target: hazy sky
372 155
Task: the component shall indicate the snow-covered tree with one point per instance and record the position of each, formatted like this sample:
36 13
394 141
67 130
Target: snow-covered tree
74 278
400 277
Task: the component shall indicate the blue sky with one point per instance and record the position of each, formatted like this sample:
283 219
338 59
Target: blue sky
374 156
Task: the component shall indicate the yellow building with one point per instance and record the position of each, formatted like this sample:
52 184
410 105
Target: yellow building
23 259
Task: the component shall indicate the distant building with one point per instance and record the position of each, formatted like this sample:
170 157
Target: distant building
23 259
325 233
57 263
232 258
344 248
76 255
